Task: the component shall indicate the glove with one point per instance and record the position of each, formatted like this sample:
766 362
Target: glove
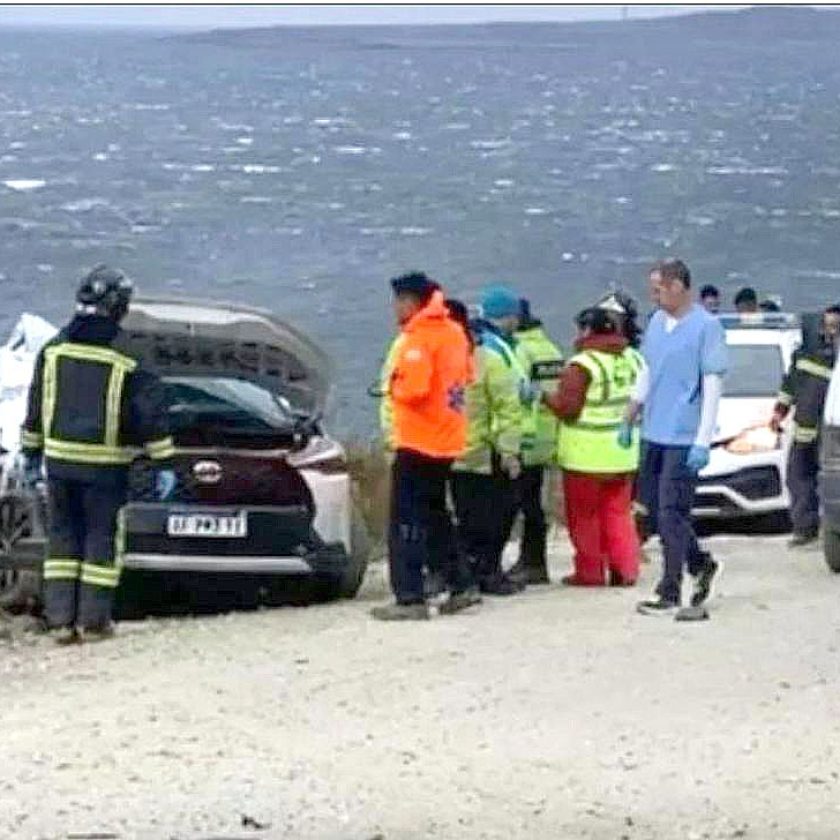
512 466
698 458
625 435
776 423
529 392
33 468
165 483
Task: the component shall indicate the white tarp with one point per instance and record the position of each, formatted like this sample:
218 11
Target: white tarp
17 361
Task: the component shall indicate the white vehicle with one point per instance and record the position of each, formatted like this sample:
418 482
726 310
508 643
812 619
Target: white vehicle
262 493
746 476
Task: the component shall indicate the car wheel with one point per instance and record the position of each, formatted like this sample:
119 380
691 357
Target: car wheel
832 550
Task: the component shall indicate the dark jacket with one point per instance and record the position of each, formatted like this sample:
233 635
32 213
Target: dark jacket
804 389
104 408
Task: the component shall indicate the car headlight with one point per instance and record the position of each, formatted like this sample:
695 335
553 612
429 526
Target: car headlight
751 441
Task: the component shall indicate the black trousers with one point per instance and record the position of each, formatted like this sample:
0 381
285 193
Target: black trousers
80 571
483 508
528 499
802 482
421 527
667 489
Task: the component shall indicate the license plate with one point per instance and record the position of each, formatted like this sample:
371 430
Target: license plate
208 525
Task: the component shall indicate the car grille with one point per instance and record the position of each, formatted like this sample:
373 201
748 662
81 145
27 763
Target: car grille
754 484
242 480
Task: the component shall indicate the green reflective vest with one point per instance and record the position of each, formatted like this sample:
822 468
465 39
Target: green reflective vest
386 406
543 363
494 410
590 443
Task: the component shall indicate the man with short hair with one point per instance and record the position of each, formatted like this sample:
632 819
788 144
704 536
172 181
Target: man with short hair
710 299
430 373
679 392
804 390
746 301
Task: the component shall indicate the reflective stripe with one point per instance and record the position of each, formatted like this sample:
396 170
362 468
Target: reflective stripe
784 398
814 368
804 434
31 440
62 569
159 450
108 452
105 576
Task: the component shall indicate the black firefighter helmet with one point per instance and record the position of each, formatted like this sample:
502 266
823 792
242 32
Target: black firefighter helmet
105 292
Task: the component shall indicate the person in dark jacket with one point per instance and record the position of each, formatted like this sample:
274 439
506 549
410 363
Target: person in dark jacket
92 410
804 390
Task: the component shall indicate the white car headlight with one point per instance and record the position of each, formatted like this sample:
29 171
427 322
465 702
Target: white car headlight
751 441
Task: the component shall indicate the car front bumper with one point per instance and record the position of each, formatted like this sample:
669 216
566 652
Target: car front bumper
741 486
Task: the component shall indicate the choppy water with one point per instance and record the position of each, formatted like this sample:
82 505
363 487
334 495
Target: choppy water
302 175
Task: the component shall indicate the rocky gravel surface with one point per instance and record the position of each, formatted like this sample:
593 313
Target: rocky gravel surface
555 714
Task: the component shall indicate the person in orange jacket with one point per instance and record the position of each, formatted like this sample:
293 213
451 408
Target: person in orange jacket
430 374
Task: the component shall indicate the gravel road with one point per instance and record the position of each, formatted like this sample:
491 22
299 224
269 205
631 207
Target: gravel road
556 714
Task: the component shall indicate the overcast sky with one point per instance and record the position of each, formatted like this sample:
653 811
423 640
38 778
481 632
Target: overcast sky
204 17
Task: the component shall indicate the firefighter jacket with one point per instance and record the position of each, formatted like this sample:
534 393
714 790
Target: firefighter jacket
92 410
804 389
543 363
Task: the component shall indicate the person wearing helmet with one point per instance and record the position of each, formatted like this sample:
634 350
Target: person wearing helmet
91 410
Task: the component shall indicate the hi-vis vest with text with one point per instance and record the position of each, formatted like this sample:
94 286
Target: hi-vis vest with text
590 444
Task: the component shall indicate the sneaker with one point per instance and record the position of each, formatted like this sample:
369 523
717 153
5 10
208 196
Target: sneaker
538 576
693 613
501 585
803 538
518 573
658 606
401 612
66 636
99 633
434 585
706 582
460 601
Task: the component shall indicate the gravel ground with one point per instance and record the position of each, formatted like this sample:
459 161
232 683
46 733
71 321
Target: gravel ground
556 714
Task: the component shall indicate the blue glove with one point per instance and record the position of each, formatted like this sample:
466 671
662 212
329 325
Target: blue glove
528 391
698 458
625 435
165 483
33 468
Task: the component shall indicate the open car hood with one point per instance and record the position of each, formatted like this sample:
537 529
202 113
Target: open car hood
183 337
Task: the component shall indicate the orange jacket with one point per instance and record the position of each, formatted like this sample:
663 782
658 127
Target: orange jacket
430 375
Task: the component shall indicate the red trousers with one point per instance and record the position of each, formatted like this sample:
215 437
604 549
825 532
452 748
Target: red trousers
600 519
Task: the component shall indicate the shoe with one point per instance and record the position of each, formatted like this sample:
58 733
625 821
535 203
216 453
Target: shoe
706 582
66 636
803 538
659 606
538 576
574 580
434 585
460 601
501 585
518 573
99 633
616 579
401 612
693 613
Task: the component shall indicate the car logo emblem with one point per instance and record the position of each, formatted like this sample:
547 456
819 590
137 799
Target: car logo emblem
207 472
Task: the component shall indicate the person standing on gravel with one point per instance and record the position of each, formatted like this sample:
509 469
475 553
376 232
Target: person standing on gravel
678 394
430 374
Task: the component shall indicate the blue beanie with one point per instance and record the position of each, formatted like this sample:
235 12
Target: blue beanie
499 302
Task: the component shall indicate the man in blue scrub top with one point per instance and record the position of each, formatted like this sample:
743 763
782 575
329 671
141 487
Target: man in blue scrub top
678 396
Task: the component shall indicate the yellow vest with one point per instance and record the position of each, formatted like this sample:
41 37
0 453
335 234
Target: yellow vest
590 443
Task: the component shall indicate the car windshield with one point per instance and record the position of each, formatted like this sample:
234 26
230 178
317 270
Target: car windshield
755 370
227 401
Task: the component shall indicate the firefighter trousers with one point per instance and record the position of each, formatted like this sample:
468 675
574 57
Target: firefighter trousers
81 572
802 482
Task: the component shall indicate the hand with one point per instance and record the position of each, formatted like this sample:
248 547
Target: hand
776 423
165 483
33 469
625 435
698 458
512 466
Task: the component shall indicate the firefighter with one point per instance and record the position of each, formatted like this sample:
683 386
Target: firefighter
543 363
804 389
91 408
